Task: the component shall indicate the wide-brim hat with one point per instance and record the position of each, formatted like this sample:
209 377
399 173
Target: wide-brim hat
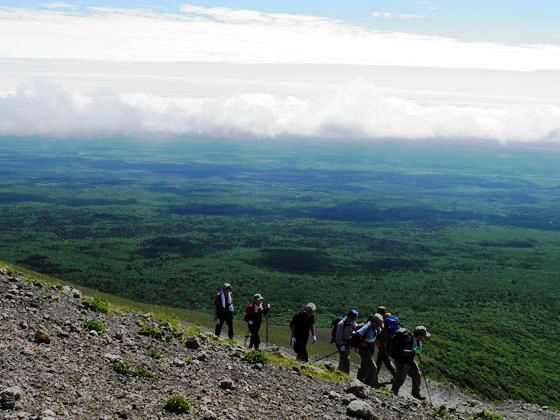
421 330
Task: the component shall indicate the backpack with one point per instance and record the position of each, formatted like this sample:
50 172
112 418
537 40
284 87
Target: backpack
356 340
392 325
394 345
334 324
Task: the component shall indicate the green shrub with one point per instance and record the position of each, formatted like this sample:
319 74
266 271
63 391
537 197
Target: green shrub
487 415
94 324
177 404
156 354
152 332
97 304
128 369
256 356
193 330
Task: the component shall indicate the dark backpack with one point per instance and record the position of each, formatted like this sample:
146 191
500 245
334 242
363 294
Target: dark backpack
392 325
334 324
395 343
356 340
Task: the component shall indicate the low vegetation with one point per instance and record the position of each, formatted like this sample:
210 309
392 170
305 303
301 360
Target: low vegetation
177 404
256 356
129 369
97 304
94 324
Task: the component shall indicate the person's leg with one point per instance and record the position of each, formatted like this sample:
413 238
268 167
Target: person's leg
400 376
387 362
362 371
344 361
219 326
371 369
414 374
298 350
229 321
255 339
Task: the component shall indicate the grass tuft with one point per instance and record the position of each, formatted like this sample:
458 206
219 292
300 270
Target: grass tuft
128 369
177 404
97 304
94 324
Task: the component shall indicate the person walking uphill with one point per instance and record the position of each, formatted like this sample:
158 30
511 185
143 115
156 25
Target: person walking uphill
407 345
343 335
390 326
223 305
253 318
369 333
301 325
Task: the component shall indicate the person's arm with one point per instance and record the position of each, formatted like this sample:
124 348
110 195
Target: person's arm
338 335
293 330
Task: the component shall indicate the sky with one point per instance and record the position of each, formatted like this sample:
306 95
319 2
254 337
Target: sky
402 69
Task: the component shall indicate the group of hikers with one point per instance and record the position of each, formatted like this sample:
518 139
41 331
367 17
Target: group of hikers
382 335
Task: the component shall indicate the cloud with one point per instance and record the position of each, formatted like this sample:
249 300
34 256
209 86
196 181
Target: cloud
57 5
389 15
356 110
229 35
385 15
427 4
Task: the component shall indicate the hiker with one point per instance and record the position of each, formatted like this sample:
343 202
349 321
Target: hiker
383 341
369 333
223 305
253 318
407 345
344 330
301 325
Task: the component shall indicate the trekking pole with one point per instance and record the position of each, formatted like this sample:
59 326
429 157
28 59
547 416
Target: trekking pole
324 357
425 381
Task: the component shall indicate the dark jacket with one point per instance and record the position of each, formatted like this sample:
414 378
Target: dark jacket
224 306
255 313
404 346
301 325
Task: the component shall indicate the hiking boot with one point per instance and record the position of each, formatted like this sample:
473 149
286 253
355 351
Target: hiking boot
395 392
419 397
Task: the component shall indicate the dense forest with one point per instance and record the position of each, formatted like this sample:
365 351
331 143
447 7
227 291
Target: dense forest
462 238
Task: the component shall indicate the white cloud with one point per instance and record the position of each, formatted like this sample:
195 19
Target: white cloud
385 15
57 5
389 15
244 36
356 110
202 72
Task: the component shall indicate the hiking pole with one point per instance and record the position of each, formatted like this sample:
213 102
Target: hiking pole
328 355
425 381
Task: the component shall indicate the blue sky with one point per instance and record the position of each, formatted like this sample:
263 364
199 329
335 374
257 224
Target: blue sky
509 21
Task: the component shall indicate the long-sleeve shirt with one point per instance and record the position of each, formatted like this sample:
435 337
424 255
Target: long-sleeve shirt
344 330
369 332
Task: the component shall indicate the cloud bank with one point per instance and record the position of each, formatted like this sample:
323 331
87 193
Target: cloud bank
159 101
357 110
223 34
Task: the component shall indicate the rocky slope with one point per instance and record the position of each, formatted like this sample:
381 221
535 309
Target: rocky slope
56 366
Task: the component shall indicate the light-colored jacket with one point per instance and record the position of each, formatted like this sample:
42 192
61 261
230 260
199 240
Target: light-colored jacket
344 332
